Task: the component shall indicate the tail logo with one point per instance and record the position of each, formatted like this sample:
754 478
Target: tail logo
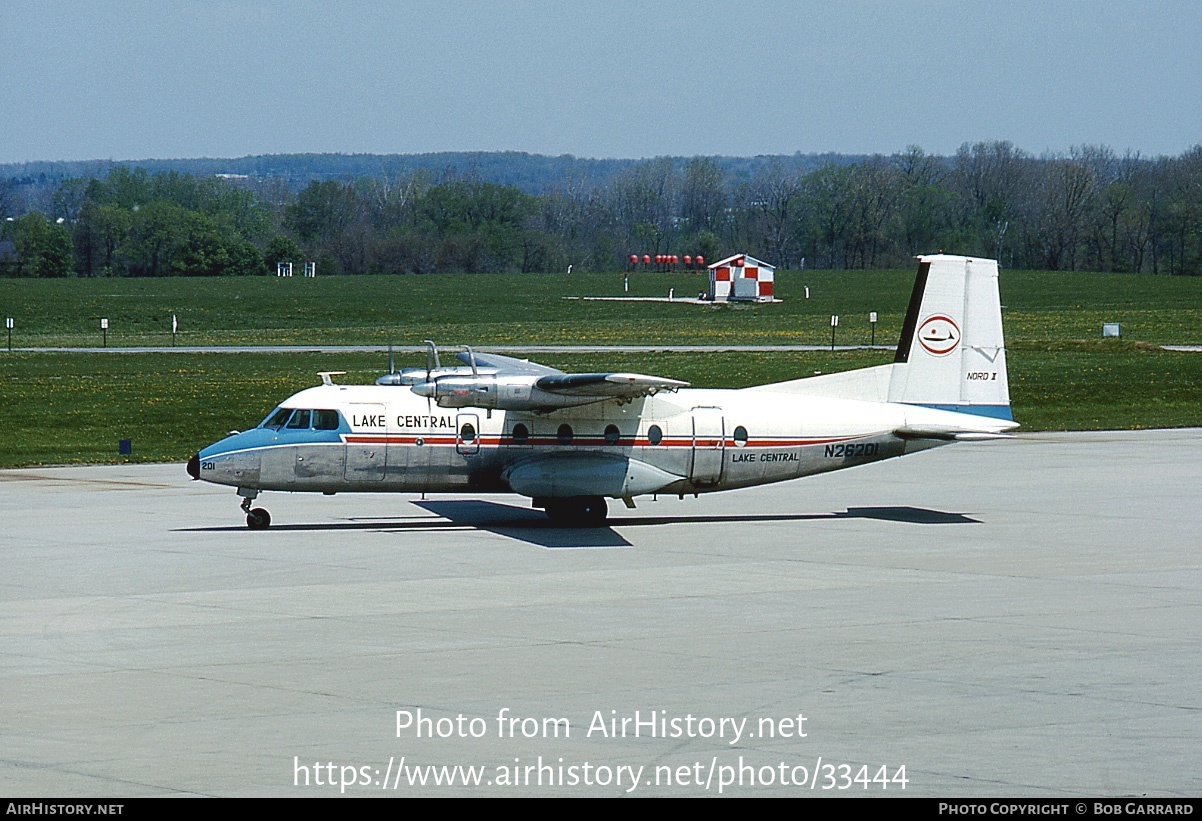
939 335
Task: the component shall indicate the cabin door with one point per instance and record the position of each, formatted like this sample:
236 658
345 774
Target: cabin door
709 446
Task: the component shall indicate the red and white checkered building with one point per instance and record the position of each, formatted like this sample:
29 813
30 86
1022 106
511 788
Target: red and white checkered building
733 278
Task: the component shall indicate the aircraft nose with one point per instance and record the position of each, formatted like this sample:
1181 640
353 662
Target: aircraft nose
194 466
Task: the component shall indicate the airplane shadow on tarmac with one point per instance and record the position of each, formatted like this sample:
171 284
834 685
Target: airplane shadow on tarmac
532 526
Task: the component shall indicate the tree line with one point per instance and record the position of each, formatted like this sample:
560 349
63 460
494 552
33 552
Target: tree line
1087 209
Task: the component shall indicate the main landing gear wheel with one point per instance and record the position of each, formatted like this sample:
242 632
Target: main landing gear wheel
258 519
578 511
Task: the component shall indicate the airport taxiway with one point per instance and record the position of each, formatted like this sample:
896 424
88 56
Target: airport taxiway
1017 618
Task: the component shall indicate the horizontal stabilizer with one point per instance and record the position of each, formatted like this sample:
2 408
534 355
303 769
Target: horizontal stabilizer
948 434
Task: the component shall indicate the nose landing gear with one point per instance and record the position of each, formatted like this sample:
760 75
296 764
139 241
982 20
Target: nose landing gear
256 519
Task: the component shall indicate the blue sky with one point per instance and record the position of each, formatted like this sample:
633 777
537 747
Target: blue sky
225 78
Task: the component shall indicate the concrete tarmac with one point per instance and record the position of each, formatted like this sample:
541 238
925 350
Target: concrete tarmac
1018 618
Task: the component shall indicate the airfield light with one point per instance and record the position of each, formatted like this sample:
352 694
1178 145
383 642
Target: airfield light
8 322
104 329
834 324
872 324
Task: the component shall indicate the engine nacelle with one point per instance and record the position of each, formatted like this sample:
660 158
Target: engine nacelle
419 376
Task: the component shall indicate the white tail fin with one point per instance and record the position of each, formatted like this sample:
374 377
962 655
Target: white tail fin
952 355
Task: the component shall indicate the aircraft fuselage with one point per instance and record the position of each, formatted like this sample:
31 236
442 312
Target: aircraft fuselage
695 441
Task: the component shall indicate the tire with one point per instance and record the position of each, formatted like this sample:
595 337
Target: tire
258 519
578 511
593 511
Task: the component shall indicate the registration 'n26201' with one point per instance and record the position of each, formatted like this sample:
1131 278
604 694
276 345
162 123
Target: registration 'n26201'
852 450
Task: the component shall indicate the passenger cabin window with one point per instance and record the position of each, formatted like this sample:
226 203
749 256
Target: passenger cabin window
325 420
740 436
564 434
655 435
467 433
299 420
612 434
521 434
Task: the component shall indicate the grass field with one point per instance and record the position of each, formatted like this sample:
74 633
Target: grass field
498 309
74 407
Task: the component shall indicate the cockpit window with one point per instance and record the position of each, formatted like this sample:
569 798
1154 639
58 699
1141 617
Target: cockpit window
325 420
276 419
299 420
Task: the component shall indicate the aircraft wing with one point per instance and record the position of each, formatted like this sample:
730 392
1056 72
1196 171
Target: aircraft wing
555 381
521 385
623 385
506 365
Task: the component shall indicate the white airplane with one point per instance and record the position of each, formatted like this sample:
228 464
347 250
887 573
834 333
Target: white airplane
571 441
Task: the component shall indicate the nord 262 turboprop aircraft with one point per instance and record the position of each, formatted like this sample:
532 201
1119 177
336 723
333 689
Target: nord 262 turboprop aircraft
571 441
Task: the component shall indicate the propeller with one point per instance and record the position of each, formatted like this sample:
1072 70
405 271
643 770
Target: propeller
432 363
